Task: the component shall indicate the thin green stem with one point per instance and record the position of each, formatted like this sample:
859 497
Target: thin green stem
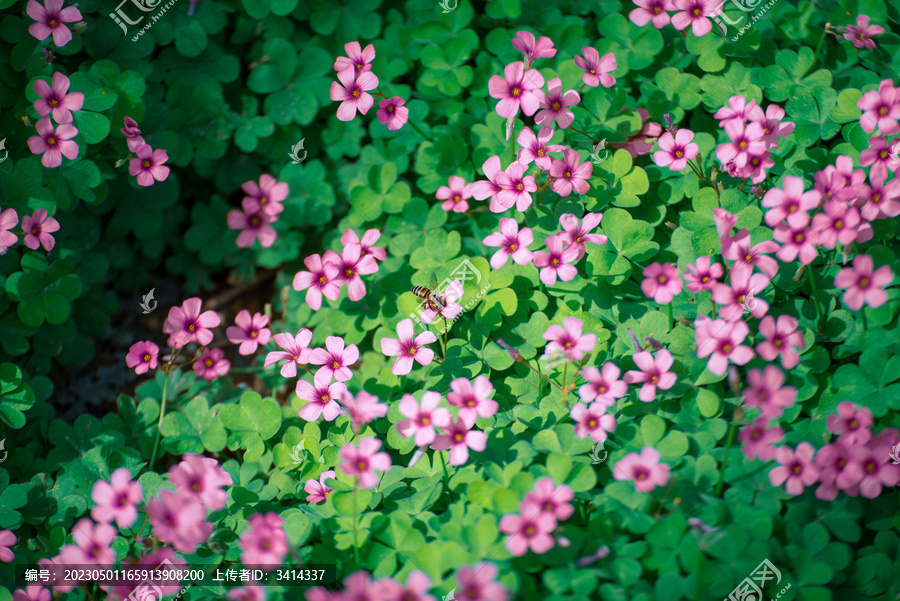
671 318
419 131
565 369
595 140
512 143
356 522
816 296
446 473
728 444
162 414
862 312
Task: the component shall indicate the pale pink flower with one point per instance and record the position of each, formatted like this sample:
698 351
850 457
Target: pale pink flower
250 332
781 339
265 543
643 469
512 241
596 69
320 279
369 238
335 359
797 242
554 103
724 224
32 592
745 258
791 204
57 100
148 166
8 220
757 439
771 122
142 356
569 175
551 499
363 408
555 263
694 13
882 109
51 19
179 521
472 397
767 392
860 35
459 437
316 490
54 143
491 187
654 373
524 43
7 540
740 295
359 61
515 90
703 274
863 283
592 420
576 235
569 338
797 468
392 113
422 419
353 93
269 193
651 10
202 479
296 351
516 189
362 460
117 499
879 200
738 110
351 264
455 195
746 139
721 340
851 422
877 157
675 151
416 589
186 324
528 531
603 385
407 347
254 222
211 364
477 584
661 282
321 397
536 148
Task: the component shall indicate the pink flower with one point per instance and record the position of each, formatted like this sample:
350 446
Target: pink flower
211 364
603 385
132 134
592 420
767 393
528 531
724 224
321 396
878 470
483 189
771 123
456 195
550 499
32 592
838 469
882 109
353 93
651 10
296 351
878 155
596 69
880 199
408 348
250 592
675 151
249 332
524 43
554 103
661 282
8 220
117 499
320 279
201 479
357 586
351 264
643 469
416 589
360 61
254 222
56 100
50 20
745 258
266 543
569 338
746 139
860 35
738 110
7 540
576 235
53 143
534 148
472 397
694 13
363 459
757 165
392 113
369 238
269 193
515 190
335 361
421 420
555 263
863 283
797 242
37 230
450 295
478 584
569 175
791 204
512 242
851 423
459 437
142 356
722 340
93 540
317 491
781 339
362 409
148 166
757 440
637 144
703 275
515 90
186 324
654 373
797 468
739 297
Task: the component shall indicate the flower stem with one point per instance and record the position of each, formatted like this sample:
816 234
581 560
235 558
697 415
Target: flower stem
671 319
356 522
419 131
162 414
728 444
865 322
817 300
584 134
446 473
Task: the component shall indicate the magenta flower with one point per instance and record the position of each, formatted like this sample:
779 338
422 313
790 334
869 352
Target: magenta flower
592 420
740 295
459 437
863 283
551 500
296 351
32 592
336 360
528 531
266 543
554 103
316 490
202 479
637 144
407 348
838 469
851 423
675 151
249 332
515 90
703 274
56 100
643 469
661 282
54 144
651 10
269 193
320 279
483 189
179 520
746 139
576 235
452 308
8 220
654 373
524 43
253 221
93 540
321 397
797 242
757 439
878 472
360 461
7 540
555 263
535 148
132 134
51 19
569 338
781 338
882 109
603 385
767 392
791 204
38 228
724 224
516 188
357 59
860 35
142 356
877 157
596 69
745 258
369 238
694 13
477 584
472 397
771 123
455 196
569 175
148 166
211 364
353 93
421 419
186 324
363 408
512 241
416 589
797 468
880 200
117 499
392 113
351 264
721 340
738 110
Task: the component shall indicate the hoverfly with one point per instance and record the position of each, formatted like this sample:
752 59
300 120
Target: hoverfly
431 298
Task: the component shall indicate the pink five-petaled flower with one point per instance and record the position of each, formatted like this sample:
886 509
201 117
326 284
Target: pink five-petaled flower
851 423
767 392
738 297
524 43
51 19
530 530
148 166
132 134
455 196
746 141
569 338
567 174
363 459
703 274
512 241
675 151
37 230
491 187
838 469
643 469
877 472
879 200
320 279
654 373
316 490
651 10
57 100
737 109
142 356
745 258
117 499
416 589
407 347
363 408
353 93
392 113
249 332
357 59
596 69
661 282
878 155
722 340
554 103
351 264
535 148
93 540
797 468
516 189
8 220
265 543
202 479
186 324
864 283
791 204
369 238
516 90
421 419
576 235
797 242
758 440
771 123
694 13
53 143
882 109
269 193
459 437
211 364
477 584
321 396
179 520
555 263
603 386
592 420
7 540
552 500
253 221
296 351
32 592
336 360
781 337
860 35
472 397
636 145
